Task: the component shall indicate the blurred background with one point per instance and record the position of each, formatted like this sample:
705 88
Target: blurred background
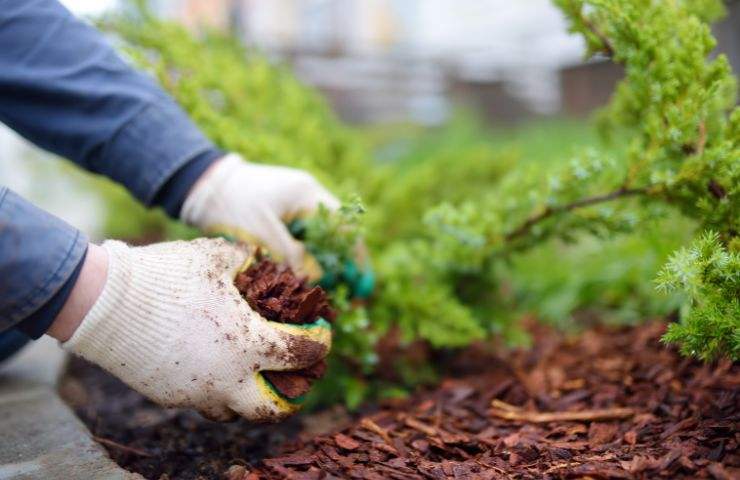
394 68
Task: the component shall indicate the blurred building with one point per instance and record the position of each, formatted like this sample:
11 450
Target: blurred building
410 60
586 86
391 60
727 33
492 99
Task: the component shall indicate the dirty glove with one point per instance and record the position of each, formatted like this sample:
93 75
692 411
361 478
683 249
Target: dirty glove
172 325
254 202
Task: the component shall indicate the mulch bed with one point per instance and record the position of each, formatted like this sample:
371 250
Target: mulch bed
610 403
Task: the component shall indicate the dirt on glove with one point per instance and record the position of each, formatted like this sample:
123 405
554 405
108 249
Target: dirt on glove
279 295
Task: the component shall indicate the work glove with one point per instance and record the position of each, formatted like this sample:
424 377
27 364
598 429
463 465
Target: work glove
253 203
172 325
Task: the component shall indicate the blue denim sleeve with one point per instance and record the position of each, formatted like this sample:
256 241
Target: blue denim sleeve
63 87
38 255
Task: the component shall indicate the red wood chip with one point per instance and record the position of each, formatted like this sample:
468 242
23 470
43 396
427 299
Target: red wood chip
630 437
345 442
600 433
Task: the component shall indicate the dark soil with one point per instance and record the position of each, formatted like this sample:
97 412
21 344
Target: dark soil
277 294
150 440
607 404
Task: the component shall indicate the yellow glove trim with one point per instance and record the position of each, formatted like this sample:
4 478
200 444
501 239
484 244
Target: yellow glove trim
319 331
310 267
269 391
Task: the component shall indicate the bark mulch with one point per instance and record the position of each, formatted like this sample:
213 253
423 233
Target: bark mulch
610 403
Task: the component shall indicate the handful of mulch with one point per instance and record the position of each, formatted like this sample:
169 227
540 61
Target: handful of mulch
276 293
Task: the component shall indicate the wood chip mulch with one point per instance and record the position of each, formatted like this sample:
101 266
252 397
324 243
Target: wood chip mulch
279 295
609 404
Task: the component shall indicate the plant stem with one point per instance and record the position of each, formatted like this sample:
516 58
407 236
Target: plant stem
119 446
608 48
577 416
548 212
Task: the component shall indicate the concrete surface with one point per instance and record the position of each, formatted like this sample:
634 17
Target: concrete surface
40 437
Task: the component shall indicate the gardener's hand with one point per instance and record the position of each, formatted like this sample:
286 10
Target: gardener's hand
170 323
254 202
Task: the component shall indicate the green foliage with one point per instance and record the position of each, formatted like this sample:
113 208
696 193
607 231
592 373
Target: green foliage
469 231
606 280
332 237
709 276
430 170
353 355
674 105
418 301
680 110
676 110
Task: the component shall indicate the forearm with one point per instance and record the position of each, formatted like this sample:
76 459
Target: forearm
85 291
63 87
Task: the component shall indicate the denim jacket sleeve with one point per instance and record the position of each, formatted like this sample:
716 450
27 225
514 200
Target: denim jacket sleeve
38 254
63 87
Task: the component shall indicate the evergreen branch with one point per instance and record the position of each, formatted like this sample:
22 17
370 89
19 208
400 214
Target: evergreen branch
608 47
702 141
548 212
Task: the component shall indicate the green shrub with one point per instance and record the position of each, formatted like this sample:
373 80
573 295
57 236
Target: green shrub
709 276
676 109
468 232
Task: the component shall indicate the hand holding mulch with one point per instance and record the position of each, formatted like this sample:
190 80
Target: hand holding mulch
277 294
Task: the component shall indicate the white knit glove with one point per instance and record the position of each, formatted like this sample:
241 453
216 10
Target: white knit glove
253 202
172 325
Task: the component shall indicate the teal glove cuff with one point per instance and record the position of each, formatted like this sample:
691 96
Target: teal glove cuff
361 282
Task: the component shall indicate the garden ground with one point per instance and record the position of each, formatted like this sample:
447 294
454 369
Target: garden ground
609 403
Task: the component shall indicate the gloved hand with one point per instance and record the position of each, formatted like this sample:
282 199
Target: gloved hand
254 202
171 324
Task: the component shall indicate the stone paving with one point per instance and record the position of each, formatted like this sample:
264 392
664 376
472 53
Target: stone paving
40 437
